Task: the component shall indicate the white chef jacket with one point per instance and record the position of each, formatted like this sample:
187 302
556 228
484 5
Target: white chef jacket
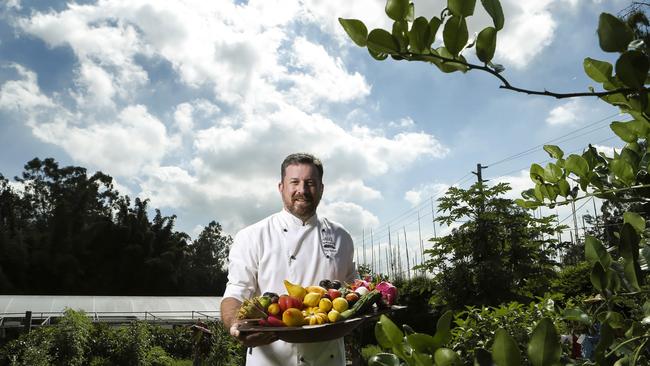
281 247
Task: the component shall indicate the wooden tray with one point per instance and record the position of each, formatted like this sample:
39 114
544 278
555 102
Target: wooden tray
316 333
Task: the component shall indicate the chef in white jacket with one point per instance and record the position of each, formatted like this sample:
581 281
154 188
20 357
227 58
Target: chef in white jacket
294 244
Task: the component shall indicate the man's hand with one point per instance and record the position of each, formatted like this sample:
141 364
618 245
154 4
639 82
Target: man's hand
229 308
252 339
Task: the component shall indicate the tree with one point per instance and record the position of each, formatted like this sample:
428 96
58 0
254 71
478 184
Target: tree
66 232
499 253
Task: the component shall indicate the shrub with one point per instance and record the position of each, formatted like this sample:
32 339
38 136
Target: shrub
29 349
72 338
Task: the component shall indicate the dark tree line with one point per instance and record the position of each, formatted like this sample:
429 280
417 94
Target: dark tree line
69 233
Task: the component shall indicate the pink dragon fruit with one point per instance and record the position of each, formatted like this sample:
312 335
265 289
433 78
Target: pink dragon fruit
388 292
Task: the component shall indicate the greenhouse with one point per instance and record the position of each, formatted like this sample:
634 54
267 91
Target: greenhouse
36 310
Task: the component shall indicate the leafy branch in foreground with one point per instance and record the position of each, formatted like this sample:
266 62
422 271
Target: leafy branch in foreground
412 39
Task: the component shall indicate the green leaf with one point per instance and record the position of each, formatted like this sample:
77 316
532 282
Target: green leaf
576 164
505 351
400 33
419 35
448 66
536 173
463 8
637 221
564 187
446 357
531 205
595 252
379 56
544 348
576 315
624 130
410 15
629 250
434 24
382 337
632 68
391 332
598 277
486 44
422 359
552 173
493 7
598 71
613 34
614 319
421 342
455 34
397 9
443 333
622 170
384 359
606 340
554 151
356 30
380 41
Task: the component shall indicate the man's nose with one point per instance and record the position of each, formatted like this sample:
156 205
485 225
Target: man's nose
300 188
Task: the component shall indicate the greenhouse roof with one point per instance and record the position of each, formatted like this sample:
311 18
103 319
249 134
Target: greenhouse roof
117 308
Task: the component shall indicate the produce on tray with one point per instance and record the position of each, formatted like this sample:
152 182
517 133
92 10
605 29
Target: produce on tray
327 302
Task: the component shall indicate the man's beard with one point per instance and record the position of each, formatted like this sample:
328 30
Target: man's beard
303 207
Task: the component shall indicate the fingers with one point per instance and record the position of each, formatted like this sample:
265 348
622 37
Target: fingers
258 339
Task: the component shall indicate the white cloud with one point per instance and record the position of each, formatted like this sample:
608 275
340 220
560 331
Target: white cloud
416 196
259 89
518 183
321 77
123 147
352 216
23 94
567 113
402 123
352 190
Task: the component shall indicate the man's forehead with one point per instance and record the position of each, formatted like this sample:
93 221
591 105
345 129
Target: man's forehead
300 170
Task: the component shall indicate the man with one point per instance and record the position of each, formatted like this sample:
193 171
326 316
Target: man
293 244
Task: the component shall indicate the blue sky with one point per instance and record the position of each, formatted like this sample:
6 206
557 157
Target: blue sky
194 104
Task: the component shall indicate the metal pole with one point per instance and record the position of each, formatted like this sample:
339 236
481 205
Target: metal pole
390 251
372 253
363 243
433 219
408 262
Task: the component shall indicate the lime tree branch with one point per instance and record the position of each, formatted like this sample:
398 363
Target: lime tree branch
506 84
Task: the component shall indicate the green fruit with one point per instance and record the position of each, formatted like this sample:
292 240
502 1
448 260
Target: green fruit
446 357
265 301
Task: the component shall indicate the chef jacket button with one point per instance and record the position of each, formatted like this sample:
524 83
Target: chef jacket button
285 230
302 359
331 356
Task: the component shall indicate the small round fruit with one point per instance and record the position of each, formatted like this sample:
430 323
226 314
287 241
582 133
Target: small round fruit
274 309
446 357
325 304
311 299
352 297
334 316
336 284
293 317
326 284
340 304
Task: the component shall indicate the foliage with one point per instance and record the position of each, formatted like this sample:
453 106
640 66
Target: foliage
66 232
75 340
72 338
573 281
615 262
500 253
476 326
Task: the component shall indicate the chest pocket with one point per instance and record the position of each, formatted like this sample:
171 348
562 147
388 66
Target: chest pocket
328 242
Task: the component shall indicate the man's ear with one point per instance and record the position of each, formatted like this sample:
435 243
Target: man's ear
280 186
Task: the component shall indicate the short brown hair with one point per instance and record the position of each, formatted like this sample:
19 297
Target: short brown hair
301 158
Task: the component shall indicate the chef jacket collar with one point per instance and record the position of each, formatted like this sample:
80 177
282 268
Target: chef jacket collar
290 219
